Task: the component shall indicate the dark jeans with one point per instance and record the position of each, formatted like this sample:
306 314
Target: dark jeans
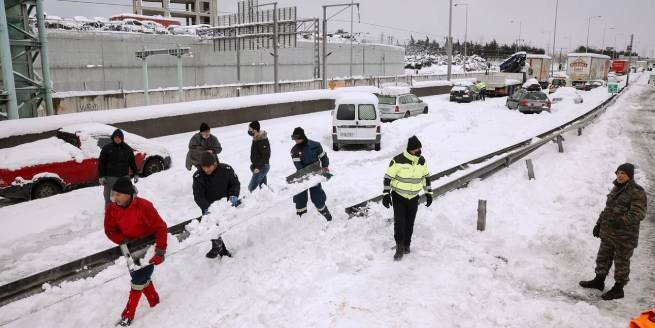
259 179
142 276
404 214
317 195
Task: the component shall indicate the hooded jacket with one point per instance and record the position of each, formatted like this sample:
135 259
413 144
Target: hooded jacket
116 160
138 220
198 145
260 151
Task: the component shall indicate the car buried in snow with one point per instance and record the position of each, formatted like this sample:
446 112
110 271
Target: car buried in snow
464 93
566 94
69 161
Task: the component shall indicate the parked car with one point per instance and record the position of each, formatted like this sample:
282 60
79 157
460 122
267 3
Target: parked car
465 93
568 94
528 101
394 106
155 27
555 83
69 160
356 121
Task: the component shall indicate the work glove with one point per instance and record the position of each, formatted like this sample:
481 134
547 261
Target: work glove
158 258
596 232
101 180
255 171
205 211
135 179
428 200
234 201
386 200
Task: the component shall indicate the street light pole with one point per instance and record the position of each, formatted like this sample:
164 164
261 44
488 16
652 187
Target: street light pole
466 29
588 26
351 38
450 39
520 27
552 62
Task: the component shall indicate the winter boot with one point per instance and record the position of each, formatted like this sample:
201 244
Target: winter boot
400 250
326 213
615 293
597 283
130 309
301 212
406 249
151 294
218 248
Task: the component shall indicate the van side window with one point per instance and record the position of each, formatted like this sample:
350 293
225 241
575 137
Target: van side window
367 112
346 112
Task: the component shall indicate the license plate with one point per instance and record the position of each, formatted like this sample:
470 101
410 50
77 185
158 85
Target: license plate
346 134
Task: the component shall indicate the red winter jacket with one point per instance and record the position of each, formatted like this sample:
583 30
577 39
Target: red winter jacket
140 219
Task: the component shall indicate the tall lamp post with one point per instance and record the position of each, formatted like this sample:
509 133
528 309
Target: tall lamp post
520 27
325 20
466 29
449 46
552 62
602 48
588 26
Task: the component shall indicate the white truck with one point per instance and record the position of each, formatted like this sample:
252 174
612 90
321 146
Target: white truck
501 83
538 67
585 67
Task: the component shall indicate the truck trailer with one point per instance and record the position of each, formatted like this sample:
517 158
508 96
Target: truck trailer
585 67
538 67
620 66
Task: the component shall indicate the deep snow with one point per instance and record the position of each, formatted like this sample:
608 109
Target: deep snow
290 272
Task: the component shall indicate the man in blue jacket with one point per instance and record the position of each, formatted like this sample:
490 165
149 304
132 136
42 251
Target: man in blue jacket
307 152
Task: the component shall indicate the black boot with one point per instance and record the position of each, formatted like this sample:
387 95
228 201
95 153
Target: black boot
326 213
406 249
597 283
615 293
400 250
218 248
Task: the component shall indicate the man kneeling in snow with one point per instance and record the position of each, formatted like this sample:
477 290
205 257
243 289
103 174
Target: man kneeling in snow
130 217
618 230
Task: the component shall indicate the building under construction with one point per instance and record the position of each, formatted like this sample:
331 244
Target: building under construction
192 12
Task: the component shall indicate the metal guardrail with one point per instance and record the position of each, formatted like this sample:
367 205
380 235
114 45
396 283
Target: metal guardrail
513 153
89 266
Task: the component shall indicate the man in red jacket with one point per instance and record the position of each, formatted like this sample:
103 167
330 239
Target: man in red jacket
130 217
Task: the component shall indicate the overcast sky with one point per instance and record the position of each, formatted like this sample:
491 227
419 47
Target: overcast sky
486 19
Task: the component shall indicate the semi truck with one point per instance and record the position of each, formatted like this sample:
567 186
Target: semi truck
538 67
620 66
584 67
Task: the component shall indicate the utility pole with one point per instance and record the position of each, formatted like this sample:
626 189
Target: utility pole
627 79
588 26
520 28
351 37
552 62
466 29
325 20
7 66
450 39
276 81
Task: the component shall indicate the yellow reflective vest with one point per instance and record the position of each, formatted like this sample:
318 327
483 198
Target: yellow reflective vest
407 175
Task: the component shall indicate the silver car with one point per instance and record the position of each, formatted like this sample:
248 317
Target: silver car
528 101
393 107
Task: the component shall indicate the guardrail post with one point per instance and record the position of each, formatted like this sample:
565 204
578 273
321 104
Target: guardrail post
482 214
579 131
528 163
560 146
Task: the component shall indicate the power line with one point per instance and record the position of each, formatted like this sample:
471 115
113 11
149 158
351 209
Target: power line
388 27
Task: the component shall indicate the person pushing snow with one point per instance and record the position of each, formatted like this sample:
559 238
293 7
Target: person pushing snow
127 218
305 153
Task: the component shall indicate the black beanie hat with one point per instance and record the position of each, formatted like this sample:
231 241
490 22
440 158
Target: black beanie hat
255 125
628 168
124 186
204 127
413 143
117 133
207 159
299 133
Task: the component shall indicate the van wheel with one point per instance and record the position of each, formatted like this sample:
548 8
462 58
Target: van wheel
406 115
425 110
335 146
152 166
45 189
377 147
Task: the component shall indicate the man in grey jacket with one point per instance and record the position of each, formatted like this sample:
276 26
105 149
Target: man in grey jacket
201 142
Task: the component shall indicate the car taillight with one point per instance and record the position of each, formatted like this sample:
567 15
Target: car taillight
548 103
377 130
334 129
397 110
524 102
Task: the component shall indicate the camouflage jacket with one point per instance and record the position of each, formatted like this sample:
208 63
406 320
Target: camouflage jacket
624 210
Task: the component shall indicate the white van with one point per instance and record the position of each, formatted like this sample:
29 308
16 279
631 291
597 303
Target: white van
356 120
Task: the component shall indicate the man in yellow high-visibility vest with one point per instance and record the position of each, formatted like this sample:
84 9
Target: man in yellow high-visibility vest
406 176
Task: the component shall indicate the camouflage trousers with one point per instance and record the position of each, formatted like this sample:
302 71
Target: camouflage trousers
620 255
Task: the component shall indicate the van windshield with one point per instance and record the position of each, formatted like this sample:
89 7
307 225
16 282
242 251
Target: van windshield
367 112
346 112
386 100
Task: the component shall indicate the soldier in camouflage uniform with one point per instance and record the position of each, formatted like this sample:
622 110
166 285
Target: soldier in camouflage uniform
618 230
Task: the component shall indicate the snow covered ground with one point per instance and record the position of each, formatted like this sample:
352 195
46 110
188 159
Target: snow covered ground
290 272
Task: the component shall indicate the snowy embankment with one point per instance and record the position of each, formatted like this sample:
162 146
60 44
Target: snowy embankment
43 124
290 272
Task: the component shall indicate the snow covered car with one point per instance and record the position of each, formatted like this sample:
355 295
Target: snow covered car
528 101
396 103
465 93
69 160
566 94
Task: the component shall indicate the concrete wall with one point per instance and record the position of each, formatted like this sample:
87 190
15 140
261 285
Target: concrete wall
92 60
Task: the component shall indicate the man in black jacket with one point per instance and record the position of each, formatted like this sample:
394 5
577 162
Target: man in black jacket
212 182
260 153
116 160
